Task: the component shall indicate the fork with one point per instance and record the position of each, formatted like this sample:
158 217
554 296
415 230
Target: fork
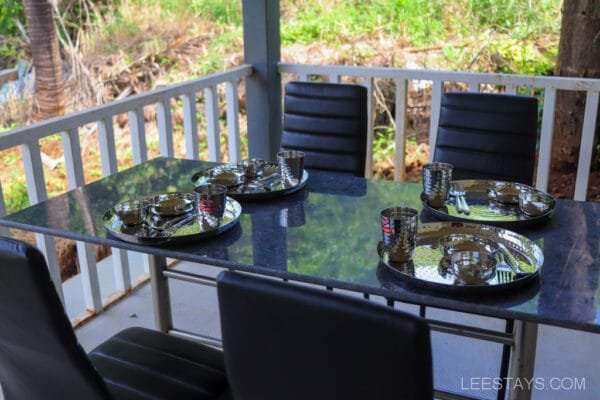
511 261
505 276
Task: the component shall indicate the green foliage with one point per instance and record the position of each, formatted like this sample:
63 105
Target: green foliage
421 20
524 58
228 12
8 127
519 18
383 145
120 24
15 193
8 51
213 60
10 10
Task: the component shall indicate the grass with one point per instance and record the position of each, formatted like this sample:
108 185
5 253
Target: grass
337 22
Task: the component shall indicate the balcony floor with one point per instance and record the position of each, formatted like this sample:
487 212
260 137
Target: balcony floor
561 354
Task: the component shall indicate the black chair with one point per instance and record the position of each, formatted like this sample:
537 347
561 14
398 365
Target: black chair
285 341
488 136
40 357
327 121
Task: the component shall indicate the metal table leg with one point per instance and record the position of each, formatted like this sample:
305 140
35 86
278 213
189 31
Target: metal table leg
504 363
522 363
160 294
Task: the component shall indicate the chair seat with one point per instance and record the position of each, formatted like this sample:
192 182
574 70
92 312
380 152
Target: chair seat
139 363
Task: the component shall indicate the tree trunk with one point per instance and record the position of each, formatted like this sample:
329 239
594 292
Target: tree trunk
49 99
578 56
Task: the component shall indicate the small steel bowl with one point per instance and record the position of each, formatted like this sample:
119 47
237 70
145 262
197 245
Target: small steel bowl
227 177
473 267
506 192
172 204
457 242
535 203
132 212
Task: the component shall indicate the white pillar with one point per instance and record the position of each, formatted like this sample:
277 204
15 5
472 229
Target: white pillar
263 87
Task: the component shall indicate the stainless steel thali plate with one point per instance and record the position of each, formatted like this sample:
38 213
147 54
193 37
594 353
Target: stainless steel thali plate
485 210
266 186
428 270
181 228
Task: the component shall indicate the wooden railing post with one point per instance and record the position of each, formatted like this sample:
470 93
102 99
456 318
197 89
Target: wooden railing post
587 145
165 127
108 156
400 132
85 251
368 83
36 190
543 166
437 90
213 132
190 126
233 121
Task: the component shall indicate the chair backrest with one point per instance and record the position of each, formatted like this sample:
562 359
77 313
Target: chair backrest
40 357
327 121
488 136
285 341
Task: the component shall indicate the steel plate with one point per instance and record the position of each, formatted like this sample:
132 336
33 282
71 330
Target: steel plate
427 269
252 189
188 227
484 210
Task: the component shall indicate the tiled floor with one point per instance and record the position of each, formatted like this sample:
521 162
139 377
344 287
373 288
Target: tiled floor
460 364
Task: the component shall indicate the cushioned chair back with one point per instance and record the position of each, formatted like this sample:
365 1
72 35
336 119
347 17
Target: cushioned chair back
327 121
488 136
40 357
284 341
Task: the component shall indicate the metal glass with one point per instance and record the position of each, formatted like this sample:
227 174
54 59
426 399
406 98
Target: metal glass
482 196
399 230
210 200
291 166
436 183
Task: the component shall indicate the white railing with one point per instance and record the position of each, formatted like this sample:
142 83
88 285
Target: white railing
509 84
28 138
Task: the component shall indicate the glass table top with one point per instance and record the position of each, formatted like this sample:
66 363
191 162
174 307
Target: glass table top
327 234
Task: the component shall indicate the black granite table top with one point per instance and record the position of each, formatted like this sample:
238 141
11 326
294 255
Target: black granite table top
327 234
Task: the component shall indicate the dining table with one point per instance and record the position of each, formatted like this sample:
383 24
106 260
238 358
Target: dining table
327 234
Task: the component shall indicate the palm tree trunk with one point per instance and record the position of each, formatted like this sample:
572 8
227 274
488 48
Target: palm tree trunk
578 56
49 96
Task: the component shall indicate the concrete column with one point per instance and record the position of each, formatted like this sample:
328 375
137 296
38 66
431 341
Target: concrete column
263 88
